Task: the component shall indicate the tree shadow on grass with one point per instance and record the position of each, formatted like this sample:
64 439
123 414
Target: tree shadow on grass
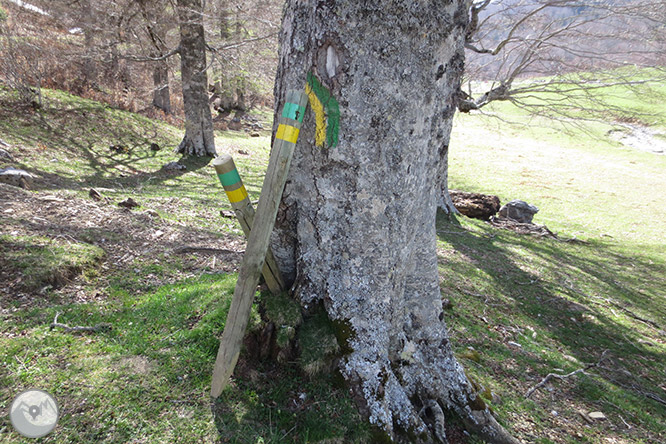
588 297
102 149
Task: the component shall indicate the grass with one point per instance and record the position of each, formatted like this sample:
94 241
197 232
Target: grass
564 303
47 262
118 386
70 142
521 306
584 184
529 307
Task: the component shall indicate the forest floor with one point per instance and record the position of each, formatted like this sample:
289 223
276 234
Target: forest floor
161 277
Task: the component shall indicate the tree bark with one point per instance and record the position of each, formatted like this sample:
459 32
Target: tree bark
161 94
356 228
89 59
445 203
199 139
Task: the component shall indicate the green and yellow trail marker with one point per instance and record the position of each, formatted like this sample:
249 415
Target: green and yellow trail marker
327 112
240 202
230 180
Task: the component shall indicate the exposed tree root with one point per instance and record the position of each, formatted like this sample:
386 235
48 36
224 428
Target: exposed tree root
438 419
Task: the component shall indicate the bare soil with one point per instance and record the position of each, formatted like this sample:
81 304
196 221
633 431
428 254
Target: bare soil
128 237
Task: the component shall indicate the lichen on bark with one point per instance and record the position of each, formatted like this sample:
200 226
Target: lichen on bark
356 227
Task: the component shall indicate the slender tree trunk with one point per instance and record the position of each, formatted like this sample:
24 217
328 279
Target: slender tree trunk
199 139
356 229
161 94
89 59
445 202
157 30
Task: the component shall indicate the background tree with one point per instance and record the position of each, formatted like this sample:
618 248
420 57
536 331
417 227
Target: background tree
242 37
154 16
356 231
199 139
553 58
564 50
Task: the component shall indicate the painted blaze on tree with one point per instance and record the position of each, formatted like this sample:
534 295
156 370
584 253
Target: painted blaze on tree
356 228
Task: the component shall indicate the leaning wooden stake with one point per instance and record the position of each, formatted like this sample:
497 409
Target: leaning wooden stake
257 244
240 202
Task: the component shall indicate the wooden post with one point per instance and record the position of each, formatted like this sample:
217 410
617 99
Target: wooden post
257 244
240 202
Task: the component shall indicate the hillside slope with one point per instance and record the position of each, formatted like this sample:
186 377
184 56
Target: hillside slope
159 278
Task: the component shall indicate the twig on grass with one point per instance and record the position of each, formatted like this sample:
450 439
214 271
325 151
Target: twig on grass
637 388
531 282
191 249
572 240
550 376
78 329
630 313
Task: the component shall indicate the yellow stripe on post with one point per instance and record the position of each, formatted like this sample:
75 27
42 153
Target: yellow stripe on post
287 133
240 202
237 195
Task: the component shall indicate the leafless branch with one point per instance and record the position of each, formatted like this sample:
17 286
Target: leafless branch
555 39
241 43
550 376
78 329
136 58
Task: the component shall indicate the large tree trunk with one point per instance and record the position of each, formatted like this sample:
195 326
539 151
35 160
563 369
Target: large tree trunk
356 229
199 139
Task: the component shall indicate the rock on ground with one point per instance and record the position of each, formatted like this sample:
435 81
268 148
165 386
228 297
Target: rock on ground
4 155
518 210
174 166
16 177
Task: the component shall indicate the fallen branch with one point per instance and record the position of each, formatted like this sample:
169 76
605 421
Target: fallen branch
654 397
626 310
572 239
635 316
78 329
550 376
189 249
634 385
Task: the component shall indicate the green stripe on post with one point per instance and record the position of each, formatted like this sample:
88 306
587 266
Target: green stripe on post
293 111
230 178
231 181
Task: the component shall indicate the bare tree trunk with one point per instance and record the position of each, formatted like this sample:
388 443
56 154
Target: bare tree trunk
356 229
157 30
199 139
445 202
161 94
89 58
